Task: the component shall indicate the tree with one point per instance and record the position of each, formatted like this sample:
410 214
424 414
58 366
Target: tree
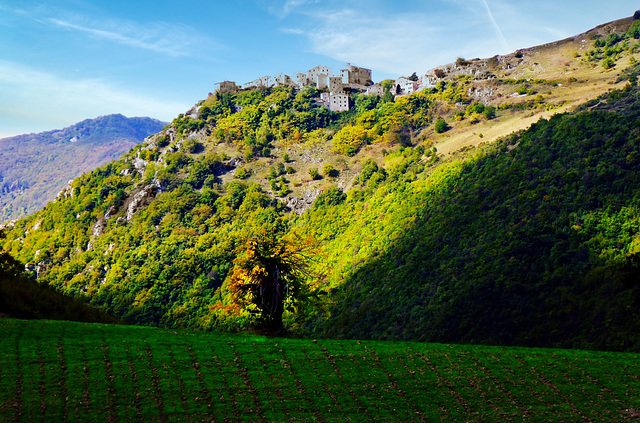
270 274
441 125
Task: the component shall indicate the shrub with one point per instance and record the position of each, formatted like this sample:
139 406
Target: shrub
331 197
349 140
329 171
313 172
608 63
163 141
441 125
242 173
489 112
192 146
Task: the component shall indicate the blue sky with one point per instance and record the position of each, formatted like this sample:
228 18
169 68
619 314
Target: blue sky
65 61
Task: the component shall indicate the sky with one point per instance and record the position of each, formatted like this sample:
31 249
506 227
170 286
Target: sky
62 61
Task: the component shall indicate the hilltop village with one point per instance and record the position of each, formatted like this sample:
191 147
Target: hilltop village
336 86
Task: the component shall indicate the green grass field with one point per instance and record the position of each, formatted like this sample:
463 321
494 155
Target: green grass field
63 371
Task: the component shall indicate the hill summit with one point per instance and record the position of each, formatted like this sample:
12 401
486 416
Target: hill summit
34 167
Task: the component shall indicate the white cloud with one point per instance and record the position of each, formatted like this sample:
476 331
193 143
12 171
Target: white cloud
41 100
397 43
170 39
167 38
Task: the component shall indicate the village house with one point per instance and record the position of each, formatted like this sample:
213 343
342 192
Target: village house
225 87
318 70
338 102
405 86
356 75
335 84
320 81
282 79
375 89
428 80
301 80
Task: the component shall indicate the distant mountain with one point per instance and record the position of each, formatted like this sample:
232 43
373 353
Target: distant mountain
34 167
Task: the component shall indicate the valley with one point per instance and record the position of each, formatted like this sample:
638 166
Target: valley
494 206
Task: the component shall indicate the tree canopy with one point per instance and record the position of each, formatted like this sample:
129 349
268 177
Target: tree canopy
270 274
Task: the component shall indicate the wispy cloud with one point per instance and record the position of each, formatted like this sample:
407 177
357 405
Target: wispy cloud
148 41
284 8
396 42
170 39
69 100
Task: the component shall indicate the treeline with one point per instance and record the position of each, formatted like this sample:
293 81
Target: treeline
533 241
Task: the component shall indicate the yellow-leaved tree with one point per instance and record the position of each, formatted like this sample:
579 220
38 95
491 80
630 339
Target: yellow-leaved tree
272 273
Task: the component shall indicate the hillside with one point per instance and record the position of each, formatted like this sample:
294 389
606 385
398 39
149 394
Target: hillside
431 227
35 167
62 371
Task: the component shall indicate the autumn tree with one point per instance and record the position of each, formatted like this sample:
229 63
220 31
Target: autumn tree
271 273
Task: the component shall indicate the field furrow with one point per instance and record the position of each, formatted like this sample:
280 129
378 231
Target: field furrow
62 371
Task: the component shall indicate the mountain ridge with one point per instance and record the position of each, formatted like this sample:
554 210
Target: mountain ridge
34 167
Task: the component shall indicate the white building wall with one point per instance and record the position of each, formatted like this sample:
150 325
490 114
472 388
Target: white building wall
318 70
339 103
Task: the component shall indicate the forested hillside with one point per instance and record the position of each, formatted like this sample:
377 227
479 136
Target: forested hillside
528 240
35 167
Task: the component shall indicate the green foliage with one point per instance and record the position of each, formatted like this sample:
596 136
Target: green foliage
192 146
330 197
608 63
489 112
349 140
531 243
313 172
242 173
329 171
441 125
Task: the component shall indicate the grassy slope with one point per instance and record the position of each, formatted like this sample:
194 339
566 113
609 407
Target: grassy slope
54 371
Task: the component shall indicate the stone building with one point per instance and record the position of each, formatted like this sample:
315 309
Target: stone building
338 102
405 86
335 84
301 79
320 81
318 70
375 89
356 75
225 87
282 79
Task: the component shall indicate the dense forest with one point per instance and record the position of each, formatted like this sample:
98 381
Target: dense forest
531 240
